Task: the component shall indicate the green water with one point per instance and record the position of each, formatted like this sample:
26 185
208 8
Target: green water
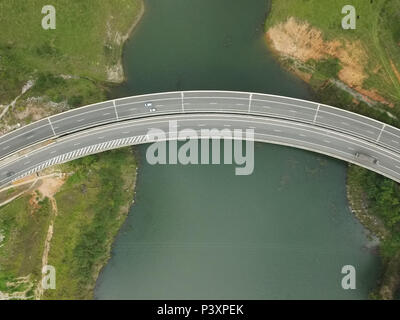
202 232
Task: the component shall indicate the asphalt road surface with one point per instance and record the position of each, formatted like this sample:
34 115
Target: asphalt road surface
274 119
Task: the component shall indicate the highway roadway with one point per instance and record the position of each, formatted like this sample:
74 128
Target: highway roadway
126 121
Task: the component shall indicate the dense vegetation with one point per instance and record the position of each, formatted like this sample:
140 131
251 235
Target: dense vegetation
86 43
23 230
92 205
380 199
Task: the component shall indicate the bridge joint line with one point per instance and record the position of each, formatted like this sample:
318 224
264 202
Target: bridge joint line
380 133
51 125
183 105
316 113
115 109
250 98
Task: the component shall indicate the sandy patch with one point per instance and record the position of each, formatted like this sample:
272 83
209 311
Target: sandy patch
397 73
24 179
302 42
50 186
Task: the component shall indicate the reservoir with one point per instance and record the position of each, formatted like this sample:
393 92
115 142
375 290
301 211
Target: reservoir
199 231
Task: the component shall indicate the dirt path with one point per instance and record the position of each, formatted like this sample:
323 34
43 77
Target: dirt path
25 88
48 188
19 194
45 257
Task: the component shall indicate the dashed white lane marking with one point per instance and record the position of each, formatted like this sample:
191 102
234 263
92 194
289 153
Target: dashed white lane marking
327 141
159 105
250 101
227 125
202 125
316 114
277 130
182 101
350 148
80 120
77 144
100 138
213 103
302 135
293 111
52 152
30 137
106 114
397 142
28 162
371 132
115 110
51 125
380 133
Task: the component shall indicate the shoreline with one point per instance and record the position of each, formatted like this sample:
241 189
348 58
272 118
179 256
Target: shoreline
127 208
389 279
125 38
74 235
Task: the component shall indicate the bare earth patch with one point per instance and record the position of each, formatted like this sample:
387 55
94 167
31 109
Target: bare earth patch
50 186
396 72
300 41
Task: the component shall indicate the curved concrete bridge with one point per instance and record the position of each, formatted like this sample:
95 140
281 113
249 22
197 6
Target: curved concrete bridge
126 121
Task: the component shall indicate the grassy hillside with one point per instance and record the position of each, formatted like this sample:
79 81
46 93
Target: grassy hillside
91 206
70 63
23 233
377 32
66 68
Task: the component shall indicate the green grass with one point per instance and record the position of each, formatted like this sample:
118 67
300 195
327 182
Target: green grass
25 232
92 201
92 205
381 198
377 28
78 46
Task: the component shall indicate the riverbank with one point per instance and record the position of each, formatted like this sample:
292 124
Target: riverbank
375 202
350 70
69 218
68 67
